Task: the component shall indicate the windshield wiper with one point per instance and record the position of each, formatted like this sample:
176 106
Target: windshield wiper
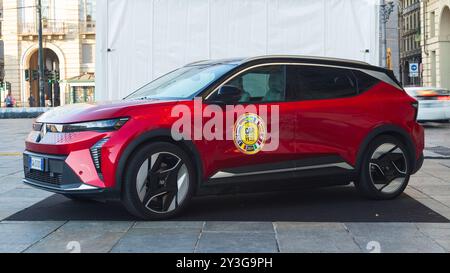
145 98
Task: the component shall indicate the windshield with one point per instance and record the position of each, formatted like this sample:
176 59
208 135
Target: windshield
183 83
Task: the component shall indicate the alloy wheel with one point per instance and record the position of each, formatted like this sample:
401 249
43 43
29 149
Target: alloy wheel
162 182
388 168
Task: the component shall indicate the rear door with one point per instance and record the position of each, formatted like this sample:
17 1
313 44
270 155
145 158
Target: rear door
330 115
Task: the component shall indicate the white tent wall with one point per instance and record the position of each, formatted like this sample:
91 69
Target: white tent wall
139 40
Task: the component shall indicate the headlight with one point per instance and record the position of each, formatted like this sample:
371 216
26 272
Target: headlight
100 125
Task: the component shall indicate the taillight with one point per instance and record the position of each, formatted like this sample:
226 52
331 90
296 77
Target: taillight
438 94
445 98
415 105
427 93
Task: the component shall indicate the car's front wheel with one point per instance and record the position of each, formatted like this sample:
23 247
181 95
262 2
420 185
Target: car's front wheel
159 181
385 170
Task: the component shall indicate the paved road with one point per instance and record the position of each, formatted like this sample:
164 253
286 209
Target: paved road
325 220
437 140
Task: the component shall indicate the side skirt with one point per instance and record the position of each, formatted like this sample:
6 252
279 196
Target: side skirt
310 173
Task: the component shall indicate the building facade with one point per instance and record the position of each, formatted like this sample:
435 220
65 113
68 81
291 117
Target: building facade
436 43
410 46
2 54
69 49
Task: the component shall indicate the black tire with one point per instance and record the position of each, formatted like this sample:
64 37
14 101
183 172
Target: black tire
150 207
376 172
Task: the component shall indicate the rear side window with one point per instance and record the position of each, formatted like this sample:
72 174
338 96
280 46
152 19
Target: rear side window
365 81
319 83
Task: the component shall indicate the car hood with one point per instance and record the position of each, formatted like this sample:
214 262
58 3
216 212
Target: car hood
99 111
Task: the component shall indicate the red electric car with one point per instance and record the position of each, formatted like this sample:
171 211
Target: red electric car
338 122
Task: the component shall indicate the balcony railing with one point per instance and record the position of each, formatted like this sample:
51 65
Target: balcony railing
411 8
411 31
409 53
48 28
87 27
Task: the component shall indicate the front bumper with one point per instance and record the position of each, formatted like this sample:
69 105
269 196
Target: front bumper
57 176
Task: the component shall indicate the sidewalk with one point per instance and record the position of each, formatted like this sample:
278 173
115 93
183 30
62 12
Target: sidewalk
21 113
214 237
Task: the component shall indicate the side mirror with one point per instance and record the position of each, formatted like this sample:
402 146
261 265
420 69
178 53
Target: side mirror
229 93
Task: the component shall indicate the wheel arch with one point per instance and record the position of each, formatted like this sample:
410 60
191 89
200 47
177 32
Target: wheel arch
161 135
391 130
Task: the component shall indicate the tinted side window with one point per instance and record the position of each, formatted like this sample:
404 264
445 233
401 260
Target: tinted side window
365 81
262 84
317 83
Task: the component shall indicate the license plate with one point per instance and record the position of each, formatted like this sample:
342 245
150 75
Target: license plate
37 163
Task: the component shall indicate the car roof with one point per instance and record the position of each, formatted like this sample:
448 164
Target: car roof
291 58
243 60
303 58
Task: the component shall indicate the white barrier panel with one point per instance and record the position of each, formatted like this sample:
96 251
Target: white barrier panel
139 40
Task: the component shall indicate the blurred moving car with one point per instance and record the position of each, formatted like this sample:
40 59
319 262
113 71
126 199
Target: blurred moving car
434 103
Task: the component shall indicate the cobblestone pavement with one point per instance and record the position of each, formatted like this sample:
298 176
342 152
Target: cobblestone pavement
430 188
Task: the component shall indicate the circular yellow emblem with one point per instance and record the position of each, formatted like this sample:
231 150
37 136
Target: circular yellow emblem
250 134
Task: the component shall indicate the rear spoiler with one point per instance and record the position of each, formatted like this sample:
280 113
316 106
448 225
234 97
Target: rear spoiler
391 75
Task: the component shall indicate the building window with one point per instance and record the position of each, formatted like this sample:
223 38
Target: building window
433 68
87 10
28 15
432 24
415 20
88 53
45 9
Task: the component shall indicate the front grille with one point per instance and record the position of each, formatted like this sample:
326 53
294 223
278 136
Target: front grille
44 177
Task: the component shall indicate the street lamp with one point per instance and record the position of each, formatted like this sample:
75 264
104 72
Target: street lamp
386 9
41 56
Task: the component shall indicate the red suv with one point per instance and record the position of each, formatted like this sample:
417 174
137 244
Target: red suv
299 121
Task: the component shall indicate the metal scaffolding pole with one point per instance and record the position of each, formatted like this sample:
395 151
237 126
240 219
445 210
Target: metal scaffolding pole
386 8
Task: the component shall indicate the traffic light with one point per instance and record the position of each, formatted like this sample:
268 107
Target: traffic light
389 58
53 76
27 75
5 86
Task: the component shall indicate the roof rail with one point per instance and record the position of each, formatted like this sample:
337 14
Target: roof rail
305 57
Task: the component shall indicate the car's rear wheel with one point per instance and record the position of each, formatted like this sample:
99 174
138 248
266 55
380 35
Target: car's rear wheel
159 182
385 170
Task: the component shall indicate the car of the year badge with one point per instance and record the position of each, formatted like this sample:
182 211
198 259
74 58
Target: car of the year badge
214 127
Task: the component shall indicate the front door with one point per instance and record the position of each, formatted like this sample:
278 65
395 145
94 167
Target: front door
260 135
